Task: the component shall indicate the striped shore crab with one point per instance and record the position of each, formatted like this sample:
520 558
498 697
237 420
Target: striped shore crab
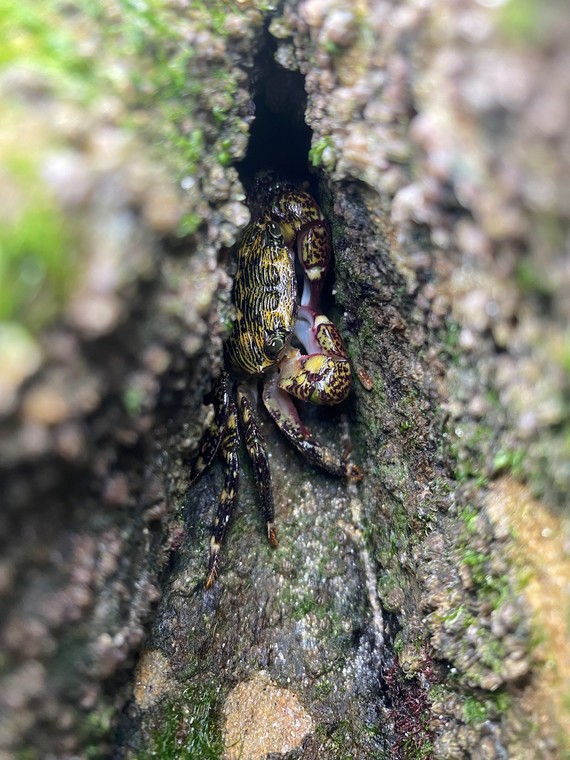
271 322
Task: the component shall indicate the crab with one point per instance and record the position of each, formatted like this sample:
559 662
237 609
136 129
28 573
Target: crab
270 322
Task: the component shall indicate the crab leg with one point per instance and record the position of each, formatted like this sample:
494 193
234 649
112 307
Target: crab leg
229 447
255 446
281 407
212 435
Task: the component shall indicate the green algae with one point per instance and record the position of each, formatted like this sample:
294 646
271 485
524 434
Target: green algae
37 257
40 38
188 729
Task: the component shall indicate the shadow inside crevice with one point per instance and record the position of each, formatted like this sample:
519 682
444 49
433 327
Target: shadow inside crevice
279 139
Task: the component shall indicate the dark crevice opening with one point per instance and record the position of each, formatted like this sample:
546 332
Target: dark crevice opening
279 139
279 142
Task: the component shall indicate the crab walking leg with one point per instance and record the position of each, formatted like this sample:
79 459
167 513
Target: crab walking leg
229 448
212 435
255 446
281 407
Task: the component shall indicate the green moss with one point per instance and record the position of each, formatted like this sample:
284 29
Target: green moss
317 150
36 255
493 655
494 588
531 278
189 729
509 460
438 693
299 605
399 644
189 224
147 59
157 63
323 687
468 470
451 339
468 448
28 753
474 710
340 741
390 539
455 618
477 709
491 587
192 147
490 651
332 48
520 20
37 37
97 731
417 751
212 14
391 594
168 92
224 158
133 400
469 515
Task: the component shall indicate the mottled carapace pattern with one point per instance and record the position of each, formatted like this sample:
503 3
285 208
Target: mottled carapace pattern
265 298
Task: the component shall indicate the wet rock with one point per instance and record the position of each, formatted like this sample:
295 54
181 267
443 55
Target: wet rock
441 147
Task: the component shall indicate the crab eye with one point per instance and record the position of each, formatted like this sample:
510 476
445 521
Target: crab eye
274 344
275 230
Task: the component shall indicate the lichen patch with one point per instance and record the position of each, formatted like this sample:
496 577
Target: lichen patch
261 718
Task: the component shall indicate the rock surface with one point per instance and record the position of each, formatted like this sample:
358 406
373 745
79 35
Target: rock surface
410 615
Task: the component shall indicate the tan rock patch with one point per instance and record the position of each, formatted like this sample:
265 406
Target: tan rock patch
260 717
539 548
153 678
